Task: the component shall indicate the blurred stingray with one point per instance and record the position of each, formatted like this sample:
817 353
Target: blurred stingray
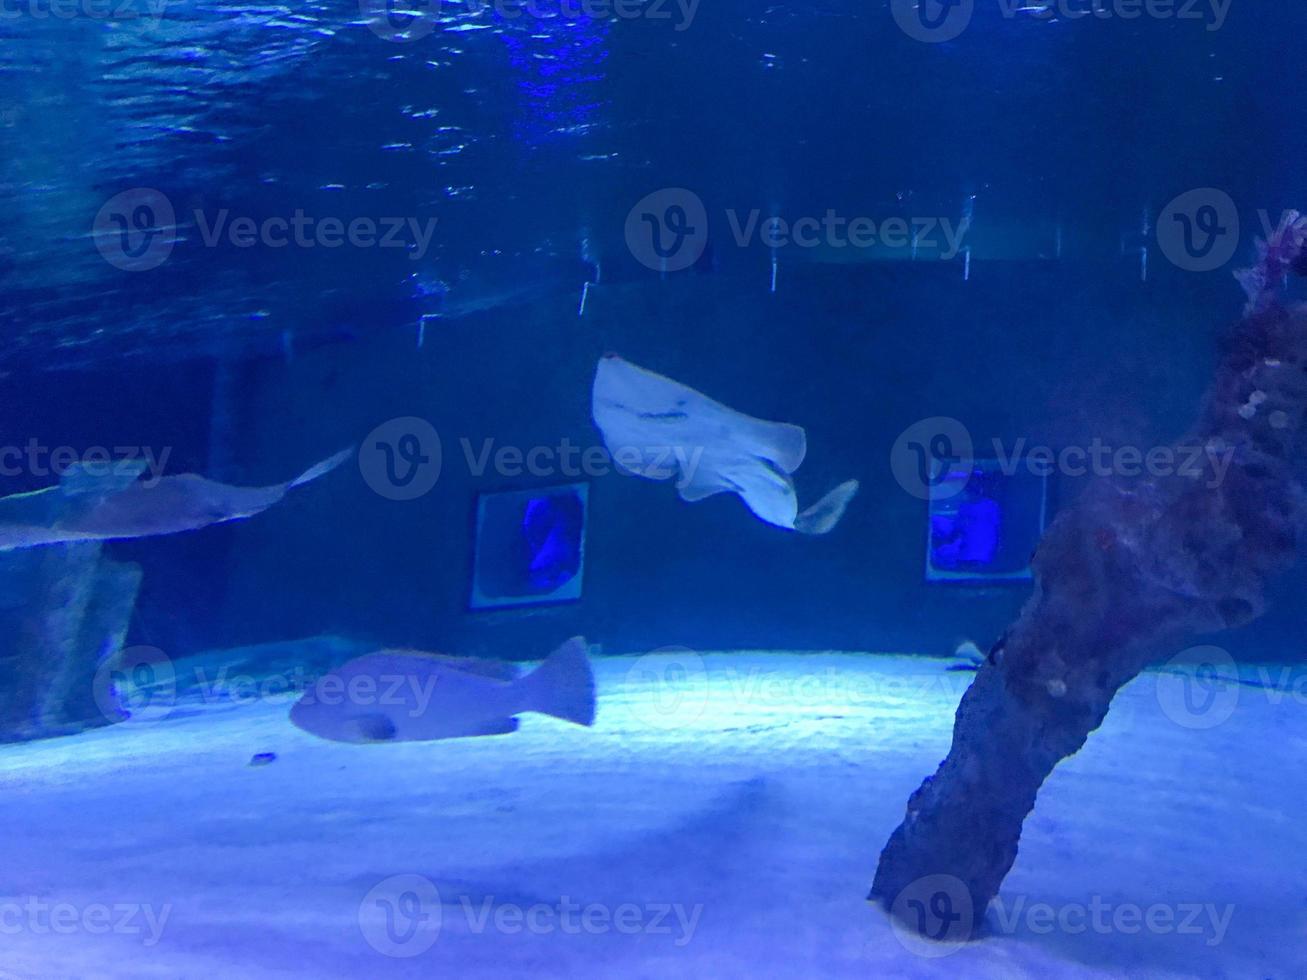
414 696
658 428
109 502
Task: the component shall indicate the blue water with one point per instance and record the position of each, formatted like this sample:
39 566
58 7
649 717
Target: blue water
243 237
528 139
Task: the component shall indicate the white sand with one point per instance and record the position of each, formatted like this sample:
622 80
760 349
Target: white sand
752 799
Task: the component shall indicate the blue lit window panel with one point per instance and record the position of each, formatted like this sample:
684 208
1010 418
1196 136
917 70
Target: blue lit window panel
529 546
984 522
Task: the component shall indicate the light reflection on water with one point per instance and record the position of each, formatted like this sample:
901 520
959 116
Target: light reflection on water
265 111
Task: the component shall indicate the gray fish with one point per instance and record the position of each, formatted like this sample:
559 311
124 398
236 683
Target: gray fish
110 503
413 696
661 429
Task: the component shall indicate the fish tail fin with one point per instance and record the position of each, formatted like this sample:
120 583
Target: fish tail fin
826 512
320 469
564 685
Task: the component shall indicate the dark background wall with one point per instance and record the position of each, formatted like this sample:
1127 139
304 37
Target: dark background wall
1088 123
1055 354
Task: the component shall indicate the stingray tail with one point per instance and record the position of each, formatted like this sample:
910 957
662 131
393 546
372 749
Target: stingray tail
320 469
826 512
564 685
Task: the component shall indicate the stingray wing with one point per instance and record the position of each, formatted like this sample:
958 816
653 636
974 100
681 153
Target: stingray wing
642 416
764 488
822 516
81 489
100 481
659 428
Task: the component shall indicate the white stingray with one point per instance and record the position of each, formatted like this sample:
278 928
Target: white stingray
660 429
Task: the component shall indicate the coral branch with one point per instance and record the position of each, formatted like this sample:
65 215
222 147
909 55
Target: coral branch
1277 257
1134 568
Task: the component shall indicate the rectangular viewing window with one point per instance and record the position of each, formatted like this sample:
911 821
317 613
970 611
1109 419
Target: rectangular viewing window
529 546
984 523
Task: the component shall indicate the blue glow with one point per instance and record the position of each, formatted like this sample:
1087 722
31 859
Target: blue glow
985 523
970 536
551 529
557 66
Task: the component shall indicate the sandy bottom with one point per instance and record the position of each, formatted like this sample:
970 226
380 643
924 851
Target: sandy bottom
722 819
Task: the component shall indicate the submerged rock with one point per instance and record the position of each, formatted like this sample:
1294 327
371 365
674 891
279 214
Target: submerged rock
64 611
1135 568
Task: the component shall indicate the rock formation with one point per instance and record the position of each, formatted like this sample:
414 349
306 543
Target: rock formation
1123 577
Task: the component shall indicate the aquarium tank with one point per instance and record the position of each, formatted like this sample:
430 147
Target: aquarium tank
652 488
